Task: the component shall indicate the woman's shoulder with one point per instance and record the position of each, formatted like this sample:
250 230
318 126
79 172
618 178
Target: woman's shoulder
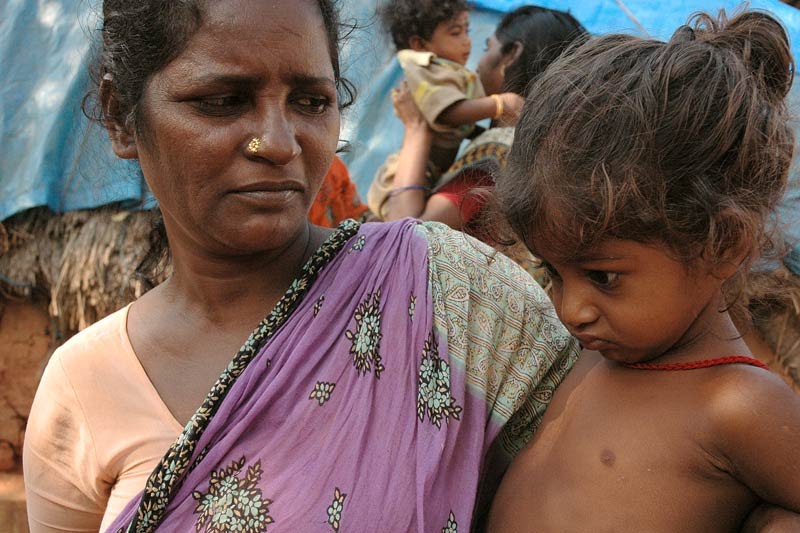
89 350
465 257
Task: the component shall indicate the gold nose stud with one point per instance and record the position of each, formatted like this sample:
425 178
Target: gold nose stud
254 146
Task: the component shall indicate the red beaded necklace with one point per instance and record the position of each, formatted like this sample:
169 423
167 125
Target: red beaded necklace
729 360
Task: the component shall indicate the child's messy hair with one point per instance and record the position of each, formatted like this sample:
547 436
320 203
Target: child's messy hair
684 143
404 19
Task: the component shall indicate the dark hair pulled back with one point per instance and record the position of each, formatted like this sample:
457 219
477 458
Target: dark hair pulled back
684 144
544 35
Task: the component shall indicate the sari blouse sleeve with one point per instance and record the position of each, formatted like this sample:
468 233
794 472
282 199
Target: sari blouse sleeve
500 325
64 483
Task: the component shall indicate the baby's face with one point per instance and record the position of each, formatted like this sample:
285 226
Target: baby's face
450 39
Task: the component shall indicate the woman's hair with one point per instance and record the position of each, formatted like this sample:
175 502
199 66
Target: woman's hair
404 19
139 38
683 144
544 35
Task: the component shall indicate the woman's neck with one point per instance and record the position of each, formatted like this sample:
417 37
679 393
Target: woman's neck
232 288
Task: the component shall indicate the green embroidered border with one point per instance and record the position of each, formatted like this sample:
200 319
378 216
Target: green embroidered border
500 328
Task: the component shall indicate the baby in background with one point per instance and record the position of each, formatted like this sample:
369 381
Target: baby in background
645 175
433 43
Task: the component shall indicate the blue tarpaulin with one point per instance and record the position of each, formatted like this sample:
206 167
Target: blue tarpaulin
50 154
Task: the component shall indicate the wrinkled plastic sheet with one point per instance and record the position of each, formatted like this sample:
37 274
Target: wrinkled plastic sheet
50 154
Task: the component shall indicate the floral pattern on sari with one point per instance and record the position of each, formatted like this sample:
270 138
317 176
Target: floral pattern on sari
233 503
335 509
434 396
322 392
318 305
452 525
367 336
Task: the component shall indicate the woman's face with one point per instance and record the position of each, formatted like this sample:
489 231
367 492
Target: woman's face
253 70
491 69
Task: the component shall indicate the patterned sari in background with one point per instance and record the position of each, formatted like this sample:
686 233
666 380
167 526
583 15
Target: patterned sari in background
368 399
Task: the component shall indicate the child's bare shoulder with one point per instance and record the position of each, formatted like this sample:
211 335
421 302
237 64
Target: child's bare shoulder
754 419
740 394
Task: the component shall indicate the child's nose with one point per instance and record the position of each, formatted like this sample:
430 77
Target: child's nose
575 308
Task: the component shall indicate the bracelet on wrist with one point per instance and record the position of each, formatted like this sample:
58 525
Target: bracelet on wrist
398 190
498 105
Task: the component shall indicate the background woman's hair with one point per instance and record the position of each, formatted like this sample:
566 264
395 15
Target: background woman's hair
684 143
544 34
139 38
404 19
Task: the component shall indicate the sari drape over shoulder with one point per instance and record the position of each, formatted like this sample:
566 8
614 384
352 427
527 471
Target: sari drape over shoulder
367 400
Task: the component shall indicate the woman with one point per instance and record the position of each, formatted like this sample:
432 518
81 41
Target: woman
393 356
524 43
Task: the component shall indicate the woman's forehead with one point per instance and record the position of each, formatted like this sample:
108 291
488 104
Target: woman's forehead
251 34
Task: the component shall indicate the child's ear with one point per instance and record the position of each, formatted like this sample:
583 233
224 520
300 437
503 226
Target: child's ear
417 43
737 244
123 142
730 263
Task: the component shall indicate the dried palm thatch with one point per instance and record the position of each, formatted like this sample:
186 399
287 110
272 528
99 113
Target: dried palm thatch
84 260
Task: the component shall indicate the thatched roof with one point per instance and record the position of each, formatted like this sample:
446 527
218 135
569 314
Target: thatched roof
85 261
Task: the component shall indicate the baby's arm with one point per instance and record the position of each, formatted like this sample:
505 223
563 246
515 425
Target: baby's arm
756 423
475 109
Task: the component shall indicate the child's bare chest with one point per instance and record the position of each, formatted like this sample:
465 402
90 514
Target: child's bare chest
622 455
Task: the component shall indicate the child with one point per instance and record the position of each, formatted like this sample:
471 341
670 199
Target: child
432 39
644 175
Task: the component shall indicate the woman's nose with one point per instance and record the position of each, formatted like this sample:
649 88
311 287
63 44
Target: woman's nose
575 307
276 142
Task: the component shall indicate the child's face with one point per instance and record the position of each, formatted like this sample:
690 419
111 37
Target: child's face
631 301
450 39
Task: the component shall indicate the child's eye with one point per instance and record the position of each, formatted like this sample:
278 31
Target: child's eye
602 278
315 105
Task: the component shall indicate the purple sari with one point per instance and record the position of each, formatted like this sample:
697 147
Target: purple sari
358 404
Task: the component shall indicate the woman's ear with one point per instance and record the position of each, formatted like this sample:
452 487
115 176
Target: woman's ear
123 142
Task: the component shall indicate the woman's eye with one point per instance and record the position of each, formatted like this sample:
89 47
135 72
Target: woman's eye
315 105
602 278
216 105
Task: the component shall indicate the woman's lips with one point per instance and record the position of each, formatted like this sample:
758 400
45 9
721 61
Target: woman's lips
271 186
270 194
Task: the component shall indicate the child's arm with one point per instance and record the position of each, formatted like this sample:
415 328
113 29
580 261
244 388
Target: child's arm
755 419
471 111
